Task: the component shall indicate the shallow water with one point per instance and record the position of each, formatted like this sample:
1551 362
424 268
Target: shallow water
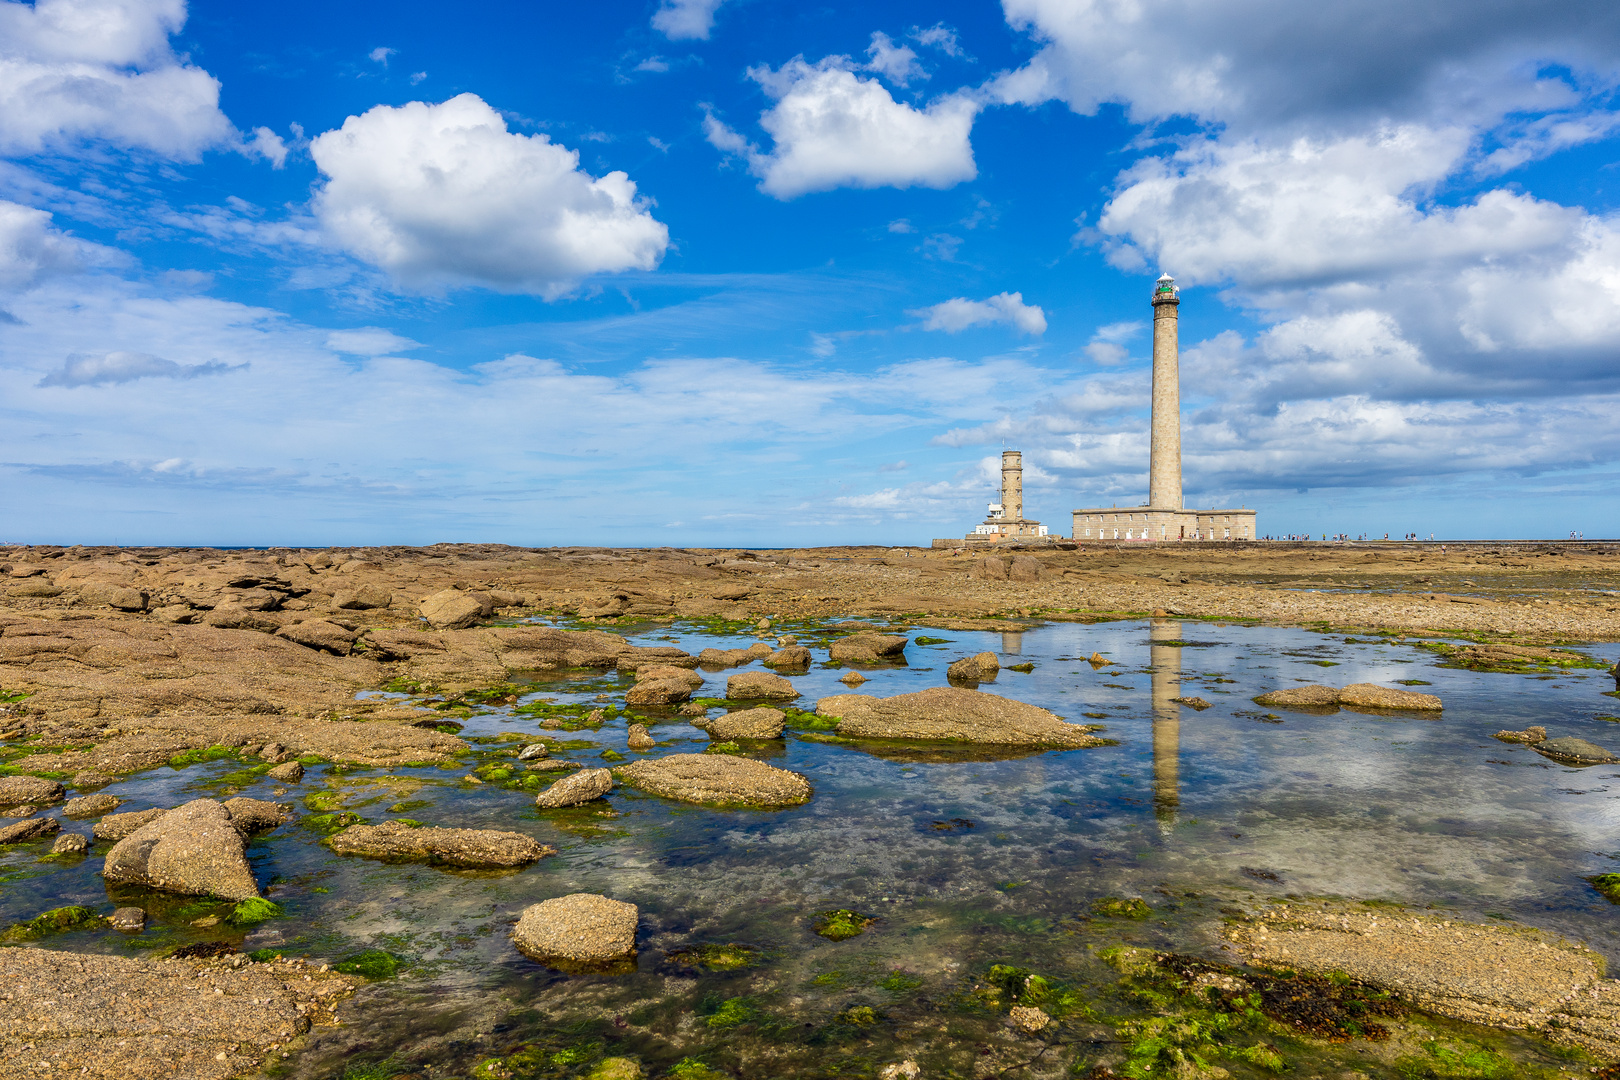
1189 810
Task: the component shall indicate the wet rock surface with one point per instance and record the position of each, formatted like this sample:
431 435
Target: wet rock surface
1578 751
89 806
867 648
759 686
116 1018
29 829
717 780
952 714
582 927
15 790
117 826
473 849
1357 696
982 667
1500 976
581 787
746 724
194 849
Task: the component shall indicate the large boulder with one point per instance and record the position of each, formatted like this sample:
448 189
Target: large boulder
364 598
193 849
113 594
453 609
15 790
746 724
581 787
1024 568
870 648
253 816
583 928
952 714
473 849
717 780
659 692
320 634
983 667
990 568
1300 695
790 657
759 685
1372 696
29 829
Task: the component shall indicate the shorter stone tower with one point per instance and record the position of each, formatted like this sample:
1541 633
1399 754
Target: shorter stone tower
1012 485
1005 522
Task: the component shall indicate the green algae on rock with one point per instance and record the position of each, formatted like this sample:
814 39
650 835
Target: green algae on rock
841 924
1114 907
55 921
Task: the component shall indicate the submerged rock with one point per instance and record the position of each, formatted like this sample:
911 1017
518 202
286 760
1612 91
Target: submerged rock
974 669
870 648
754 685
29 789
131 920
747 724
288 772
582 927
717 779
71 843
89 806
473 849
194 849
30 829
1571 749
581 787
1028 1018
1194 703
952 714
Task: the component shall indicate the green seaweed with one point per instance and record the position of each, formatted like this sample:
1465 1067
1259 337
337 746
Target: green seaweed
54 921
1114 907
253 910
370 964
717 957
732 1012
202 754
841 924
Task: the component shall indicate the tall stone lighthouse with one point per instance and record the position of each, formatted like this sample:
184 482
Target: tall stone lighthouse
1164 517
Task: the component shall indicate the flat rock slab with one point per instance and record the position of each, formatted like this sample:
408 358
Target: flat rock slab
193 849
717 780
1575 750
29 789
734 657
952 714
760 685
89 806
472 849
582 787
746 724
582 927
1510 977
974 669
1356 696
671 691
117 1018
870 648
29 829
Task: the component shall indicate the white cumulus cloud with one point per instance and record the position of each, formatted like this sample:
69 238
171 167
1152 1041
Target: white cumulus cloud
443 195
686 20
369 341
74 70
834 129
32 249
897 63
959 314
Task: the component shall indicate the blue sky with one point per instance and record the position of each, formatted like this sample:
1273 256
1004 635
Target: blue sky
738 273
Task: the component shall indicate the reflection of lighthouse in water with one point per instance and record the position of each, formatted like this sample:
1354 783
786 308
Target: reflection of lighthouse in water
1166 663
